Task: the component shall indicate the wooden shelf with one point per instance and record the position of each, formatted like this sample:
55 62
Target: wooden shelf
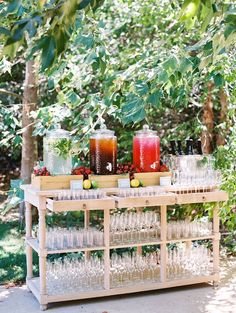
137 244
33 242
190 239
33 285
42 200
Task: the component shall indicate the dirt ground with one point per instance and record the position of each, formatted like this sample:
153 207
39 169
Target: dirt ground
194 299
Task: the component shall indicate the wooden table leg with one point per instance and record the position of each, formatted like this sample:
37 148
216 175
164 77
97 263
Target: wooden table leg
86 226
139 249
216 243
29 250
107 249
163 245
42 248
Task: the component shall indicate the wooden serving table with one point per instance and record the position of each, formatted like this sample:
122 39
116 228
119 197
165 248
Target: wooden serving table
43 200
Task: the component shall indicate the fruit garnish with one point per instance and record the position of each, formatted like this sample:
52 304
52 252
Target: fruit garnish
127 168
87 184
135 183
82 170
41 171
164 168
94 184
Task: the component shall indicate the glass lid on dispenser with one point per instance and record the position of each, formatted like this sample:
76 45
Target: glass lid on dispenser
103 132
58 133
146 132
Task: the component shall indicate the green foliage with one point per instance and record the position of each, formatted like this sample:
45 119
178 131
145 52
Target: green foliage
63 147
45 27
12 253
127 63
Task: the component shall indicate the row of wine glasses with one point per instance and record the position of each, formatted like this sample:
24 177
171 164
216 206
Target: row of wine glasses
131 268
131 227
141 192
79 195
200 180
184 261
185 229
63 238
74 275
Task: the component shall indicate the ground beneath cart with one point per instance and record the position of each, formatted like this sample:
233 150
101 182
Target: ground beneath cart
194 299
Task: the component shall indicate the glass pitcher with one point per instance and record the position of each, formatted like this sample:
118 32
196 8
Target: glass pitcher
57 155
146 150
103 151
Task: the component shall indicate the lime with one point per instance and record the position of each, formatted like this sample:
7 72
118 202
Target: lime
134 183
94 184
87 184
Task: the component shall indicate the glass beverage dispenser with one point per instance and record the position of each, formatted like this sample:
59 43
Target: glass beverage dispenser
146 150
103 151
56 153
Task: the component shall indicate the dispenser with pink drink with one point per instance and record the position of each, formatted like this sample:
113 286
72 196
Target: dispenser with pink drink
146 150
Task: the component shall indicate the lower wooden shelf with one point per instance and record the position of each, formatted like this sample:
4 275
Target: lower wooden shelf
33 285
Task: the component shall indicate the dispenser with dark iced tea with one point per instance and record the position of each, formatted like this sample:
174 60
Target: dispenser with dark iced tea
103 151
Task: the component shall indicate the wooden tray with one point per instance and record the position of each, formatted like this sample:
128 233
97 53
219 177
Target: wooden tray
108 181
151 178
53 182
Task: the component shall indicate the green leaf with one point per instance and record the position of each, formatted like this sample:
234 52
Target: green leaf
163 77
132 105
4 31
185 65
13 6
48 52
154 98
141 88
83 4
170 64
218 80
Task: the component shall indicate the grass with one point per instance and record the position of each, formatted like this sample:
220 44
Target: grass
12 253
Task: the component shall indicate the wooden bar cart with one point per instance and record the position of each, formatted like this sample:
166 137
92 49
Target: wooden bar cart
44 202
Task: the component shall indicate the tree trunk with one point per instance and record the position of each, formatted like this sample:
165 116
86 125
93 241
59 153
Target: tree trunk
220 139
29 143
208 122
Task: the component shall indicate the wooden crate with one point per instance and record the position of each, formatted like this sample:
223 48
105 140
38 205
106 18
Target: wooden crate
53 182
108 181
151 178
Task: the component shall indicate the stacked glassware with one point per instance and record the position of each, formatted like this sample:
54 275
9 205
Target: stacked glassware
79 195
184 262
74 275
134 227
185 229
59 238
131 268
195 173
141 192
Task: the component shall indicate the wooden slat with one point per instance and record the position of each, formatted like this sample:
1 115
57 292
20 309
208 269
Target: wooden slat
33 242
123 290
108 181
53 182
152 178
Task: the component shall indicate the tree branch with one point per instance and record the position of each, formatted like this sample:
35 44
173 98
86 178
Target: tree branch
10 93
